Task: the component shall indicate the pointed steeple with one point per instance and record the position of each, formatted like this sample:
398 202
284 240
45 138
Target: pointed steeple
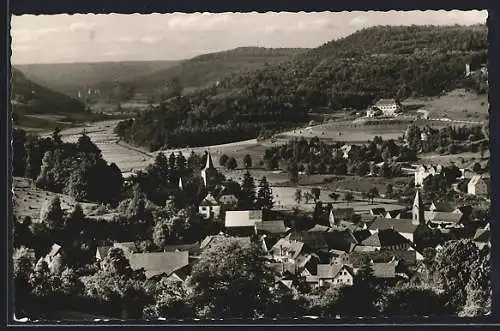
418 209
331 218
181 185
210 164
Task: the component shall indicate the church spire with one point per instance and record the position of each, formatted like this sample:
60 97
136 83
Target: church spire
181 185
210 164
418 209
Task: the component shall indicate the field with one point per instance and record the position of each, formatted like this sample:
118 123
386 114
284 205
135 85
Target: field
458 104
28 200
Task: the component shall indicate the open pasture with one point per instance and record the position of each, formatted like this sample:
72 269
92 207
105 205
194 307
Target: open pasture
456 105
28 200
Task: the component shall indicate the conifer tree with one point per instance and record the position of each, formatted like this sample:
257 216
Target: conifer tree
264 195
247 200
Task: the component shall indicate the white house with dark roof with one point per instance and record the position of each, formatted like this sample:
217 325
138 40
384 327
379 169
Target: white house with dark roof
478 185
389 107
209 207
242 222
425 171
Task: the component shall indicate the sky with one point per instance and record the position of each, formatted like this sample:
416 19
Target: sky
118 37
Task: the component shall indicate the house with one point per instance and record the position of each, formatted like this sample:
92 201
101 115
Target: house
276 227
209 174
319 228
361 234
336 275
315 241
387 239
441 206
425 171
396 214
387 270
389 107
242 221
478 185
102 252
358 258
53 258
286 249
482 237
339 214
209 207
159 263
339 257
443 219
347 150
228 201
405 227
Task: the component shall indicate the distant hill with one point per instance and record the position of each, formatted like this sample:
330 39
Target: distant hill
69 78
203 70
35 106
351 72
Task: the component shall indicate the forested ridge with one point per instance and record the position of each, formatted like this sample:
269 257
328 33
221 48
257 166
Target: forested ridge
351 72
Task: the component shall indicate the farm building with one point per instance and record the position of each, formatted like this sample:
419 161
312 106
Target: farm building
389 107
478 185
209 207
425 171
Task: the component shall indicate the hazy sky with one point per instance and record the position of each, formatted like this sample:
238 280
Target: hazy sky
90 38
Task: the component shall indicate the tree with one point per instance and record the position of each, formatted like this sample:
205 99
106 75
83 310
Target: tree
307 197
247 200
453 268
264 195
363 168
247 161
334 196
297 196
161 234
56 136
293 172
227 272
407 300
170 300
477 167
389 190
223 160
52 215
315 192
231 164
372 194
348 197
118 285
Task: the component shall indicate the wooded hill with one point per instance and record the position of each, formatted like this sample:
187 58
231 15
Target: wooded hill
69 78
352 72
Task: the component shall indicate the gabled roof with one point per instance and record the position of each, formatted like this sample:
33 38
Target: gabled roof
361 235
287 246
303 259
245 218
393 214
378 211
442 217
330 271
313 240
103 251
385 102
482 235
193 249
399 225
475 179
385 238
384 270
159 263
408 256
54 250
209 200
442 206
205 243
273 227
319 228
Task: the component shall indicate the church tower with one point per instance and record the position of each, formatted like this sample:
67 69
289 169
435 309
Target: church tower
333 220
181 184
418 210
209 174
